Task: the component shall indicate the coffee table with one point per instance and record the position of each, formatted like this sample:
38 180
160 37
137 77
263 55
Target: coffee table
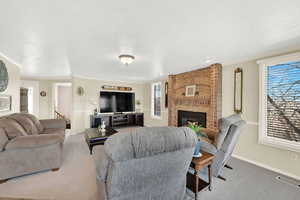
95 137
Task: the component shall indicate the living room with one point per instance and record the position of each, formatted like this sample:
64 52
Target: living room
118 94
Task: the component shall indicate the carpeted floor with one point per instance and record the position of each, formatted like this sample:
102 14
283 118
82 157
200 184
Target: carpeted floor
76 181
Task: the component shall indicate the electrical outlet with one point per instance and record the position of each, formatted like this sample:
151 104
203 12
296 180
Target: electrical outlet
294 156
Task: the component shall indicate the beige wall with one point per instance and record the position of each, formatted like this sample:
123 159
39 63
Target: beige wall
248 147
148 120
46 104
83 105
13 88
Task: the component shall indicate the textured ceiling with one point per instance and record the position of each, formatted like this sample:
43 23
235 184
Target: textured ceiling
84 38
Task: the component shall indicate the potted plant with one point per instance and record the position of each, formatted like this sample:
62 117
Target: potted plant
197 129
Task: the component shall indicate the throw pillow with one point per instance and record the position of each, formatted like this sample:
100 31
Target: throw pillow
35 121
26 123
12 128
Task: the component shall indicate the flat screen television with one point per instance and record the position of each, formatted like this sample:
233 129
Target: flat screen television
111 102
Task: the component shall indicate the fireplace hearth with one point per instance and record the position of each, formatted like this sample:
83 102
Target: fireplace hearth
184 117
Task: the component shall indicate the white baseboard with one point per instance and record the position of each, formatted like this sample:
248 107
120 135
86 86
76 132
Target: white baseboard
266 167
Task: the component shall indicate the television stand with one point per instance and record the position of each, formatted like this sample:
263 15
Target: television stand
118 113
117 120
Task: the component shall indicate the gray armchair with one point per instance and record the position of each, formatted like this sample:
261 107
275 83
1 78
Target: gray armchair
230 131
149 163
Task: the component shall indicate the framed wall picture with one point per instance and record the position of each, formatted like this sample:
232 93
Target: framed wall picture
190 90
3 77
5 103
166 94
80 91
43 93
238 90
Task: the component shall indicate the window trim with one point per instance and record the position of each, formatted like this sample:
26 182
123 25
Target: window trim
152 101
262 136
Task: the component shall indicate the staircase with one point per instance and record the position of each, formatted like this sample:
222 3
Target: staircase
61 116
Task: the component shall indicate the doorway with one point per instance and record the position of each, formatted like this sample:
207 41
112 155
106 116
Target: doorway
63 102
29 97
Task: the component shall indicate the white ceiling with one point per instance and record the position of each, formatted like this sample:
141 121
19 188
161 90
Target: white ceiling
85 37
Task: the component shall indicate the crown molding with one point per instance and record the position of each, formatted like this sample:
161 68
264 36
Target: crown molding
10 60
110 80
56 78
292 57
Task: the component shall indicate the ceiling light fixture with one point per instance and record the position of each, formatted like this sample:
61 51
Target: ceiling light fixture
126 59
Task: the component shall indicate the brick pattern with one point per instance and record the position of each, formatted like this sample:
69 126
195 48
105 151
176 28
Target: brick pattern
208 83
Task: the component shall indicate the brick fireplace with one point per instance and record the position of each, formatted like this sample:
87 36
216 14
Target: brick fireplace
207 101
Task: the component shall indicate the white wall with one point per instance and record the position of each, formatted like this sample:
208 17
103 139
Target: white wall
83 105
13 88
248 147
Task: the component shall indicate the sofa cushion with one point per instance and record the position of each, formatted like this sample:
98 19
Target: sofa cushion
12 128
26 123
35 121
3 139
224 127
33 141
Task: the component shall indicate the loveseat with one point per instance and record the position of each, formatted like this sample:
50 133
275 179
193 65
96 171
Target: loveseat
29 145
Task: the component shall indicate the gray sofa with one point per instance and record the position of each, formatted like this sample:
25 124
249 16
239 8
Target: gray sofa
225 142
29 145
149 163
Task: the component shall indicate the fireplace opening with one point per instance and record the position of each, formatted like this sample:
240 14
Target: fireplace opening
184 117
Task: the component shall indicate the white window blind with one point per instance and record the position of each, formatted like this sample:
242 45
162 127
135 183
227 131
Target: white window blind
156 100
280 102
283 101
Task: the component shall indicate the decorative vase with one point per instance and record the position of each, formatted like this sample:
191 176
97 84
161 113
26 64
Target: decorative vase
197 149
103 126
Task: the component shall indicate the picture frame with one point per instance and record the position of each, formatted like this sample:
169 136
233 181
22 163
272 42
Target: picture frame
238 90
80 91
5 103
166 94
43 93
190 90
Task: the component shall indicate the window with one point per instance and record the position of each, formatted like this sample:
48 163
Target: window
280 102
156 100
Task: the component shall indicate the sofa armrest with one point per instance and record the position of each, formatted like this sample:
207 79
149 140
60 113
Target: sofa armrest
53 123
101 162
209 148
3 139
33 141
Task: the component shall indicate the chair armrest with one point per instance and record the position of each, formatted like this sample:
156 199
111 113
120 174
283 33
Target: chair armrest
101 162
33 141
209 148
53 123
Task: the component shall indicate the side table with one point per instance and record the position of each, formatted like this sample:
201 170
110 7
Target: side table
195 183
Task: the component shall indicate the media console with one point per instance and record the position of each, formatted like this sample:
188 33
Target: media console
117 120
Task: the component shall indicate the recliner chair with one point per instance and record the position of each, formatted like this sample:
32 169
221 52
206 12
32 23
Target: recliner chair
149 163
225 143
